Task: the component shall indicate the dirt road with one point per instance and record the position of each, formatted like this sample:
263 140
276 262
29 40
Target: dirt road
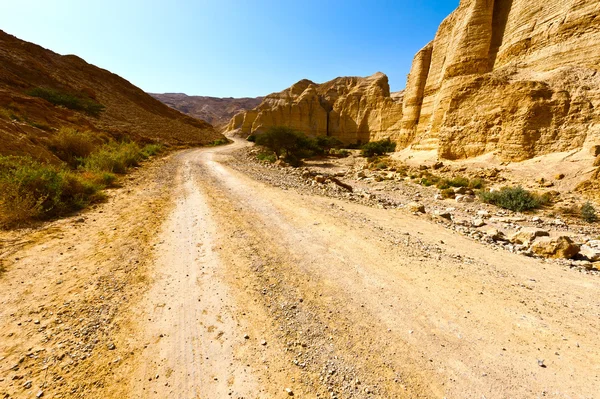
215 285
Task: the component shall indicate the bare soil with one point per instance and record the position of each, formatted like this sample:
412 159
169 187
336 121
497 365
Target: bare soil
199 280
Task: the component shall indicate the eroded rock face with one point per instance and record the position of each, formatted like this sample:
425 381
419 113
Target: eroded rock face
515 77
351 109
509 76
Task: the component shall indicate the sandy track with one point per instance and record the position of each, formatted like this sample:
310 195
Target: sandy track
253 289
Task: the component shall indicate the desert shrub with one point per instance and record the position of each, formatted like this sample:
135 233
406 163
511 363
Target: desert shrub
477 183
32 190
514 198
251 138
281 140
380 147
447 193
150 150
68 100
219 142
336 152
267 157
294 146
9 114
588 213
114 157
71 146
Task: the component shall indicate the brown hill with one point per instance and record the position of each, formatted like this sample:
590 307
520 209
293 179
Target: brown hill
118 108
352 109
216 111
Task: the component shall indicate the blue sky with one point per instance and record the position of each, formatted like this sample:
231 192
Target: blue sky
229 48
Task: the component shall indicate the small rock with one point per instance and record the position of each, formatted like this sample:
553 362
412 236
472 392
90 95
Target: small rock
320 179
246 336
460 190
39 394
263 342
111 346
289 391
478 222
27 384
541 363
416 207
559 176
464 198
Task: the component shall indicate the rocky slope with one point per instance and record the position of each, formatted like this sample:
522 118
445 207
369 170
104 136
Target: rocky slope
27 123
216 111
353 109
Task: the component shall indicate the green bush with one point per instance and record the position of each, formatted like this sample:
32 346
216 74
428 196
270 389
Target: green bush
32 190
267 157
68 100
293 145
71 146
219 142
514 198
150 150
380 147
588 213
448 193
114 157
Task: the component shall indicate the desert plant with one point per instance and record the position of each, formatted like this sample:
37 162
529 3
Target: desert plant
114 157
68 100
380 147
32 190
150 150
267 157
447 193
219 142
588 213
71 145
513 198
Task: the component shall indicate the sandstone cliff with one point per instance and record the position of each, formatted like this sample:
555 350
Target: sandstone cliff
351 109
28 123
511 76
214 110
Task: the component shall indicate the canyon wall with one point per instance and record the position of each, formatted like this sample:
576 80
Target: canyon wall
516 77
351 109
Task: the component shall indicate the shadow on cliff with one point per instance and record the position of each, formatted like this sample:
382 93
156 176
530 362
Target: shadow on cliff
500 18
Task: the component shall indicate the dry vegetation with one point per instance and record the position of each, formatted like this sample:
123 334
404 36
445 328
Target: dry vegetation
34 190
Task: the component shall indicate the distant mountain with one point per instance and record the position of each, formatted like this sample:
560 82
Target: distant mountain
216 111
41 91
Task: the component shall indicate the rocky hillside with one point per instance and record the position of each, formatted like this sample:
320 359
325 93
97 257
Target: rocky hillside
96 100
510 77
216 111
352 109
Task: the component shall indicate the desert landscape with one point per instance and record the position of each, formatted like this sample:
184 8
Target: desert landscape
330 240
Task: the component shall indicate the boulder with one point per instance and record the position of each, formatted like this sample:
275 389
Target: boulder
527 235
555 247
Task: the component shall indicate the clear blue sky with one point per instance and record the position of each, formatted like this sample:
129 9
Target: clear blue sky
228 48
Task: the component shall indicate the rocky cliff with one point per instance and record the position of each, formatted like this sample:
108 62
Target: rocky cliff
216 111
27 123
512 76
352 109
